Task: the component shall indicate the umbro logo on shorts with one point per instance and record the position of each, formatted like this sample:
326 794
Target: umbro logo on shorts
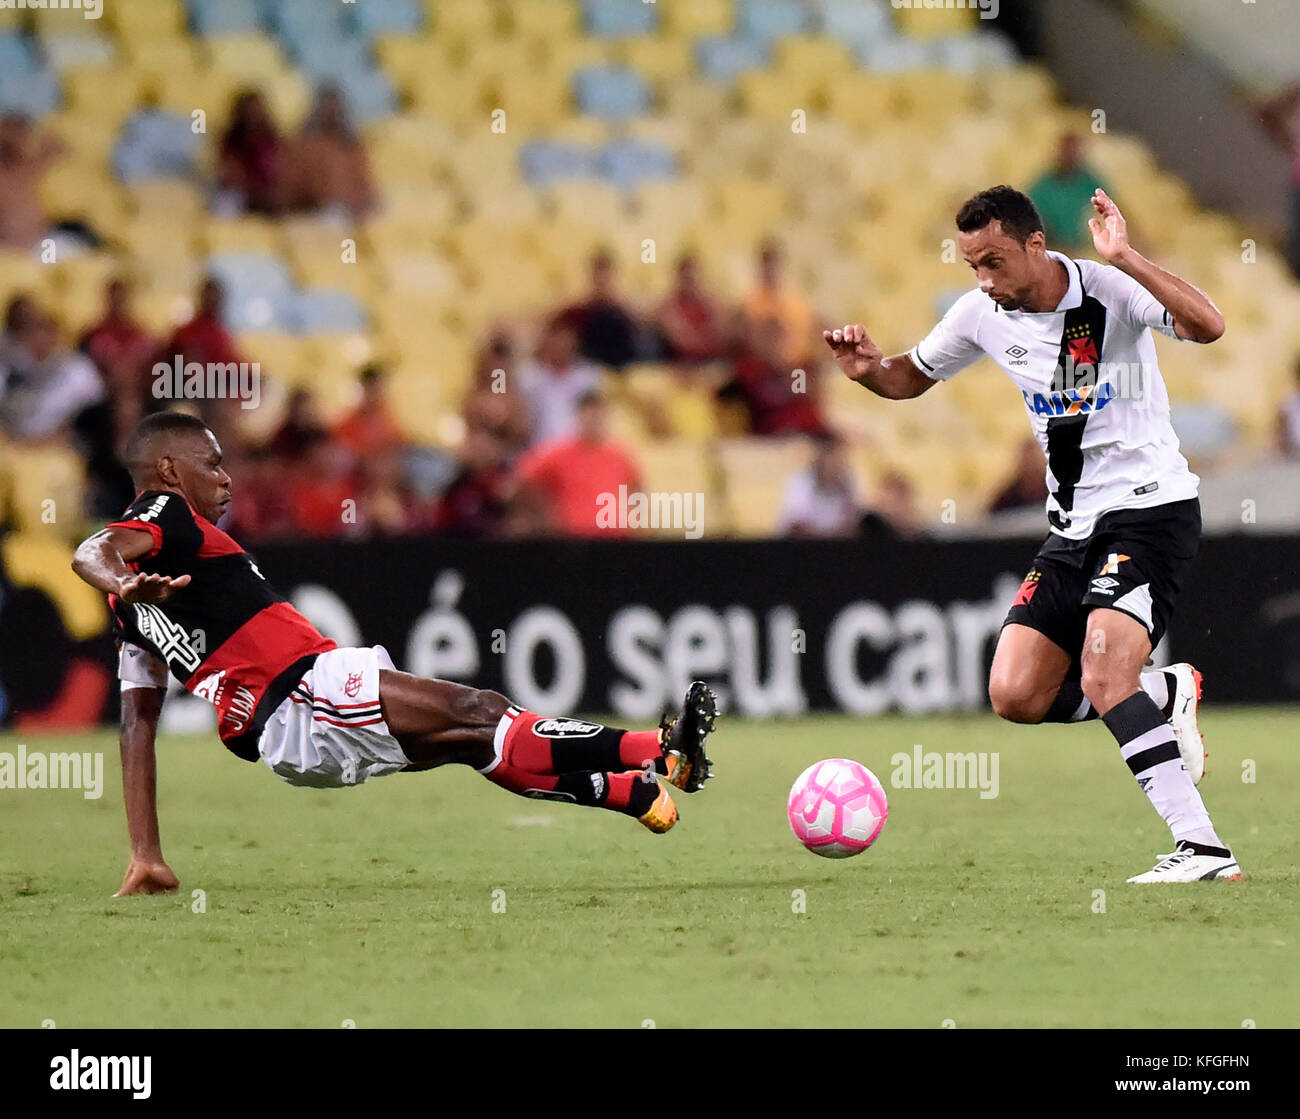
1104 584
565 728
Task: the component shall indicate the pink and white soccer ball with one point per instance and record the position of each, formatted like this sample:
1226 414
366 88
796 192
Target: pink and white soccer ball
837 808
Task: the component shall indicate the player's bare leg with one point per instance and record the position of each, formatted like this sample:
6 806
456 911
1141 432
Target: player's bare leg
1028 671
440 723
1115 650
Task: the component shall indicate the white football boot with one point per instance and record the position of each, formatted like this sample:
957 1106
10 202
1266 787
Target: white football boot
1186 699
1187 863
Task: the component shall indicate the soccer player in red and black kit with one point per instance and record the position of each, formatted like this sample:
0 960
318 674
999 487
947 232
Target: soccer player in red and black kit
186 598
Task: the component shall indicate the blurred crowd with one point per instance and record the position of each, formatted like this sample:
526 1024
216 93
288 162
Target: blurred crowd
538 445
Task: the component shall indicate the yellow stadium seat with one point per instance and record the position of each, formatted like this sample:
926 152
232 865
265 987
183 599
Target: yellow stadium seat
678 467
659 60
473 20
146 20
406 58
248 57
813 56
921 21
699 17
240 235
543 19
171 198
592 203
282 356
755 474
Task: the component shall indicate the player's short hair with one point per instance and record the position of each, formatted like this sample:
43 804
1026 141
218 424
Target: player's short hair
149 439
1017 213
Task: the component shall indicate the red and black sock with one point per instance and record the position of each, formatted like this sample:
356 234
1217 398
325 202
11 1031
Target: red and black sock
627 792
539 744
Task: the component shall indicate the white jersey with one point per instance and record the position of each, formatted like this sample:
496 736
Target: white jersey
1088 374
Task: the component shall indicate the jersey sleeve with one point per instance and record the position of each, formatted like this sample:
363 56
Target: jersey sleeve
1132 303
168 519
951 345
139 668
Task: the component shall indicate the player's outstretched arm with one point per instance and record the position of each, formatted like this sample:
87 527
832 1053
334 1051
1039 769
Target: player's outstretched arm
1195 316
101 560
895 378
148 872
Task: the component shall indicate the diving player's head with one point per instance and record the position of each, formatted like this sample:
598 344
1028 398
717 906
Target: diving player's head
178 452
1001 237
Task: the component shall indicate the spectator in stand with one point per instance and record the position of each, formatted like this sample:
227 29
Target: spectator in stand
777 400
892 515
772 301
1027 485
608 329
300 431
387 506
574 479
25 157
822 499
326 165
1288 421
46 387
1280 117
555 382
251 163
370 428
323 500
495 401
478 501
18 312
690 322
1063 196
123 351
205 339
259 505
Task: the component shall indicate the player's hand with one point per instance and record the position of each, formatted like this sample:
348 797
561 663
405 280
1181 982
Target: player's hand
150 588
148 876
1109 229
854 350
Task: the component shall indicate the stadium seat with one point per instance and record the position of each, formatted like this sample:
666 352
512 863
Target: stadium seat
755 474
224 17
766 20
388 17
155 145
699 17
617 19
855 22
258 288
723 58
611 92
316 311
542 19
629 163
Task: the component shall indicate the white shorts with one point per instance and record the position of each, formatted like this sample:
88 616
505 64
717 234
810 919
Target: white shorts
330 732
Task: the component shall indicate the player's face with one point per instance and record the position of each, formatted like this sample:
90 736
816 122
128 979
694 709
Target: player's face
1003 266
201 477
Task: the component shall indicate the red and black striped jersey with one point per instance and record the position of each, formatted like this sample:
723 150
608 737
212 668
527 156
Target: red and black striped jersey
228 636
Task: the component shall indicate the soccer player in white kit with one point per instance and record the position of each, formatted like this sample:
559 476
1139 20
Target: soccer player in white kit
1075 337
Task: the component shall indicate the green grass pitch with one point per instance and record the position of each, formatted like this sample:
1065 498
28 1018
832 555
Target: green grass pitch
380 905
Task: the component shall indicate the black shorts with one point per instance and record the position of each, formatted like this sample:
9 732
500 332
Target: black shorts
1134 562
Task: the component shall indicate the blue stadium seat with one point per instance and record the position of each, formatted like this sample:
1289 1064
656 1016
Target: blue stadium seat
152 144
855 22
315 312
628 163
889 55
34 92
327 56
616 19
224 17
766 20
387 17
369 95
298 19
722 57
546 161
611 92
16 55
259 291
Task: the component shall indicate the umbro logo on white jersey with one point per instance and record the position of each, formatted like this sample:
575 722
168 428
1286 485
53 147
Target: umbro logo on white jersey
1017 352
